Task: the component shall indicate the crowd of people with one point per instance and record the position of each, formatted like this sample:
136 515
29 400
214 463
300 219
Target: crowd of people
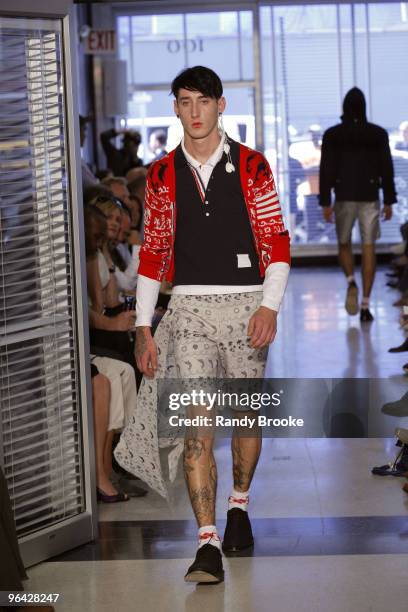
113 216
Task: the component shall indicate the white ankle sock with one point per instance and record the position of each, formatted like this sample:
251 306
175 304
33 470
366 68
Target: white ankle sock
365 302
238 499
208 535
350 279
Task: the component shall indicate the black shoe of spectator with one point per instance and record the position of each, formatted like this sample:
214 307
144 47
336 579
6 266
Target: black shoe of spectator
401 348
398 408
366 316
207 567
399 467
121 472
238 531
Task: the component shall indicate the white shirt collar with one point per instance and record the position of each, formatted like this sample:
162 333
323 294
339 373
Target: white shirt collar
211 161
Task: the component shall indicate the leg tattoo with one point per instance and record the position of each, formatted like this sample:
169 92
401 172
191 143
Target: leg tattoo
200 472
245 455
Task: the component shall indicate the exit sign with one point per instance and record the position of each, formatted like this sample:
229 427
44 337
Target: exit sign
101 42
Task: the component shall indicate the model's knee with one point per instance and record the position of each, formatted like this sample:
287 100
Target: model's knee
197 448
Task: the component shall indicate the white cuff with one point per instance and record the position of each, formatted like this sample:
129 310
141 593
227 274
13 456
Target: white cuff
276 279
147 292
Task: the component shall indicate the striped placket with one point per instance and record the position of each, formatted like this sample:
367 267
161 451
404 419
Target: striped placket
200 187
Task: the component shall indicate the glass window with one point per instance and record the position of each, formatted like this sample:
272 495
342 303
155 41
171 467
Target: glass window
311 56
211 38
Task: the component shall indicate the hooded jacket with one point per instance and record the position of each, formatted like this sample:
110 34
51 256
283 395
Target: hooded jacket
356 158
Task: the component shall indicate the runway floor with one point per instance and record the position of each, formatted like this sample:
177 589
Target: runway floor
330 536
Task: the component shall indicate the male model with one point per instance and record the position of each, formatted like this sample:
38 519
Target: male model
214 228
356 162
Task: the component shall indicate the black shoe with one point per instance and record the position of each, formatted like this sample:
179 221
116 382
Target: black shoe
118 469
398 408
400 349
366 316
398 467
238 532
207 567
132 490
405 368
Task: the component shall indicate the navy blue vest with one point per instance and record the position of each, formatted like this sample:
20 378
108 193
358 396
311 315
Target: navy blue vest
210 235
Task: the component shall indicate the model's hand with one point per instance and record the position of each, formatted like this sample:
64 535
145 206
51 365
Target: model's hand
387 212
262 327
328 214
146 351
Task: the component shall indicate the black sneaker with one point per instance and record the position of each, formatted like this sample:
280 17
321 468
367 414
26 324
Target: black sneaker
398 467
366 316
401 348
207 567
238 532
398 408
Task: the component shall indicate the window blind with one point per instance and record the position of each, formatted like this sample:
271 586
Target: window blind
40 413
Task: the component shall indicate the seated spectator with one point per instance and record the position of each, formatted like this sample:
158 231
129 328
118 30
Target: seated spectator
118 186
103 174
125 255
136 219
137 187
135 173
104 431
108 359
93 191
108 334
121 160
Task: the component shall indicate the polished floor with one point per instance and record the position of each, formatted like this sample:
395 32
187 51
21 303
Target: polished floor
330 536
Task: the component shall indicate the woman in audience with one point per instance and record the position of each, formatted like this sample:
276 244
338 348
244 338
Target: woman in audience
109 323
125 256
104 432
108 361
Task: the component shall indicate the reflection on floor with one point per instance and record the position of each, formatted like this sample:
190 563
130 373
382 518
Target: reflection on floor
330 537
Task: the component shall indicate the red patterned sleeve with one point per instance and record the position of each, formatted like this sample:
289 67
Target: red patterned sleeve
273 235
157 240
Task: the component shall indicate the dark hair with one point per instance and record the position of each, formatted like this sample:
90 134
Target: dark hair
139 181
132 136
91 213
161 137
93 191
198 78
126 210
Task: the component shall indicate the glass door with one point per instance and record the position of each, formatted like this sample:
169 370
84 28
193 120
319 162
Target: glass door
311 56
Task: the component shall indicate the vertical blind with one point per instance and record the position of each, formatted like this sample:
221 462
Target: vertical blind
40 415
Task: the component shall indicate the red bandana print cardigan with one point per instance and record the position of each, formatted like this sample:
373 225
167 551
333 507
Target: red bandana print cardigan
262 202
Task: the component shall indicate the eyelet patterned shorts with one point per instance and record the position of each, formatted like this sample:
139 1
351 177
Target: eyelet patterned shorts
210 336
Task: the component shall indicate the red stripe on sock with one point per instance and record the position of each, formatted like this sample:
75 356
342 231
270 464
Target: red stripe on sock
209 535
242 500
